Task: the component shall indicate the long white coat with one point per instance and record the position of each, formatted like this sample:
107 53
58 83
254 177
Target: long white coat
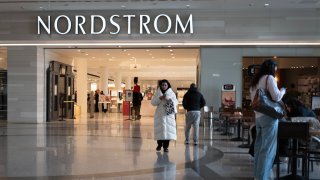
164 125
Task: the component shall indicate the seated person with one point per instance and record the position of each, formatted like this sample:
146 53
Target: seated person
295 108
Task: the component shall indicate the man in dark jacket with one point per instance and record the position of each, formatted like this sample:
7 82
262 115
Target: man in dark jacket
193 101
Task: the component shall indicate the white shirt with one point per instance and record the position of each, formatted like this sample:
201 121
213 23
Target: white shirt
273 89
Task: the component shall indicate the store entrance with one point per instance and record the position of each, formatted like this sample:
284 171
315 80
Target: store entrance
60 91
112 71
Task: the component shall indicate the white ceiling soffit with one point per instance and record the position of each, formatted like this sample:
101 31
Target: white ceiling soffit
54 5
170 63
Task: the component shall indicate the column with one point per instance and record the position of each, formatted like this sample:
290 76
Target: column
26 85
128 83
118 82
104 73
82 87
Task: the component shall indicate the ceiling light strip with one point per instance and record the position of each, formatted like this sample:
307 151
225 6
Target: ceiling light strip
170 44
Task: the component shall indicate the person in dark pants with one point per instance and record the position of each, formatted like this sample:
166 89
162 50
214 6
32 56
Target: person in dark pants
193 101
96 101
136 99
164 118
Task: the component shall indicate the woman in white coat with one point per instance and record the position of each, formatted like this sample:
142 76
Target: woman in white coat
164 121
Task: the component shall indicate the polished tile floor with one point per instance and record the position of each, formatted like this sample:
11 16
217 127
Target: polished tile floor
110 146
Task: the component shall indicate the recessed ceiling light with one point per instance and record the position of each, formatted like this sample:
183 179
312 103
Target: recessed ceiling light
172 57
128 54
169 46
266 4
123 6
87 54
40 7
93 57
108 54
188 5
79 50
124 50
152 57
147 50
170 50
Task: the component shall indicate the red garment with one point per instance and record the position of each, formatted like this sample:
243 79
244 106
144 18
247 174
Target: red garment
136 88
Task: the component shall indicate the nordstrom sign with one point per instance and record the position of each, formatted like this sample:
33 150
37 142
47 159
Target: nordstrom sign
98 24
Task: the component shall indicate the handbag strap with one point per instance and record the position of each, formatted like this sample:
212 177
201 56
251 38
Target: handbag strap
267 83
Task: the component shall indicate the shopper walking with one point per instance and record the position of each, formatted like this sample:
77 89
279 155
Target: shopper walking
164 117
193 101
266 126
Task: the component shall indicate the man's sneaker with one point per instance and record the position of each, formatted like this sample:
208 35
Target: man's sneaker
195 143
158 148
186 142
166 150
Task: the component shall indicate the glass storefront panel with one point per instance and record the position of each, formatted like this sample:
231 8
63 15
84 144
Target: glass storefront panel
297 74
3 83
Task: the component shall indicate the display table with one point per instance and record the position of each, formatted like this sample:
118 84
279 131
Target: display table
225 116
238 118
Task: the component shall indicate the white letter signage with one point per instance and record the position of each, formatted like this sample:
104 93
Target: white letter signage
98 24
56 27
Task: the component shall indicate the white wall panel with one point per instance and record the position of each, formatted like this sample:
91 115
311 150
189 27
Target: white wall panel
209 25
26 89
224 66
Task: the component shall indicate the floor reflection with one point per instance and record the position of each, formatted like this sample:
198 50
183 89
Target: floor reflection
168 167
111 147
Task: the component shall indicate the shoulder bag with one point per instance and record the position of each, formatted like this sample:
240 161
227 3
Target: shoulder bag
263 103
169 106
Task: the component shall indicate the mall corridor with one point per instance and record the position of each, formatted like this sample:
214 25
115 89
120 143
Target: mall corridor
110 146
